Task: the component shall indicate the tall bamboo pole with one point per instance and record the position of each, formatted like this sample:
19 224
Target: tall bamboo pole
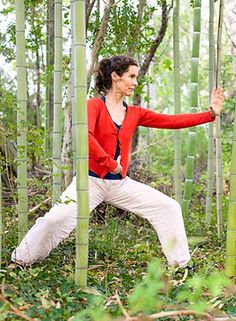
230 264
177 137
57 103
211 85
80 92
149 156
21 120
1 232
72 86
46 128
219 176
194 107
49 78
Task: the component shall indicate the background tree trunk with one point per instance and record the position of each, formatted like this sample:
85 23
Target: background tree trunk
67 146
135 31
99 40
147 60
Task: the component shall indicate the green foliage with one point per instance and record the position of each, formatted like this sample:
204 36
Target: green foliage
121 28
227 70
120 251
146 295
122 245
95 311
35 142
6 49
35 12
200 291
7 102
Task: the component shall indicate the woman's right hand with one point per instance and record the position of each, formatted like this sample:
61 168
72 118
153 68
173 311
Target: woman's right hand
118 169
217 100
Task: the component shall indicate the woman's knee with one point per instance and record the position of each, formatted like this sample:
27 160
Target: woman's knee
48 223
173 206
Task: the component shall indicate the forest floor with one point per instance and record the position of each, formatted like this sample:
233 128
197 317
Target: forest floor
120 251
128 274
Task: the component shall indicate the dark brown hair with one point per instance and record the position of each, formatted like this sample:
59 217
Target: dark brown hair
120 64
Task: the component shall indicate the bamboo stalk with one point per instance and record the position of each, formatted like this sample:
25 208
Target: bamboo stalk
57 103
194 107
177 133
72 87
21 120
230 263
46 128
210 159
80 93
149 156
49 78
219 176
1 231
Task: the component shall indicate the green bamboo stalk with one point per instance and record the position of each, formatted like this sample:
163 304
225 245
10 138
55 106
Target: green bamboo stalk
219 176
194 107
21 120
72 86
230 263
177 137
149 156
57 103
80 93
46 128
1 231
49 79
211 85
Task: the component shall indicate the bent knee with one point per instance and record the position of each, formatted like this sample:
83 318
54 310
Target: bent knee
50 223
174 206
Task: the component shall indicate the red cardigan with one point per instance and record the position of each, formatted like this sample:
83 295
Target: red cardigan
103 134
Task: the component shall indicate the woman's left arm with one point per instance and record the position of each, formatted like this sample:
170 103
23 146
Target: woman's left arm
152 119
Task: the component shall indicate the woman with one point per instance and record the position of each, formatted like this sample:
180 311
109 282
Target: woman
111 123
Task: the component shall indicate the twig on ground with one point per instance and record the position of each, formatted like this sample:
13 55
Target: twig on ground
180 313
46 201
228 318
12 308
44 171
125 313
177 313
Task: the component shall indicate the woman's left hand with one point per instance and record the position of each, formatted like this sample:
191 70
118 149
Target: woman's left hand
217 99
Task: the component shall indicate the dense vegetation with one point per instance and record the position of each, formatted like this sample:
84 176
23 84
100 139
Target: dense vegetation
125 277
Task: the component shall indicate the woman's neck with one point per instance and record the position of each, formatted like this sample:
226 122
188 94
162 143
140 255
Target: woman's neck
114 98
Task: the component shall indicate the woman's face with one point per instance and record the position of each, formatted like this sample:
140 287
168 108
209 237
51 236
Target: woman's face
126 83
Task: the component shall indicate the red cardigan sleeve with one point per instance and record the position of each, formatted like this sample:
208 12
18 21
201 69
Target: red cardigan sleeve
150 118
95 150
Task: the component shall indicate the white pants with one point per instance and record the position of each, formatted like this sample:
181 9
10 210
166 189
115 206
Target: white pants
162 212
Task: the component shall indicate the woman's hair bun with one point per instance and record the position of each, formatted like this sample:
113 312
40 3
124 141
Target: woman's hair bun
120 64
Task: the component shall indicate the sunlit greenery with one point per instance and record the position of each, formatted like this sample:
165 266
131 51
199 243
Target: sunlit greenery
125 257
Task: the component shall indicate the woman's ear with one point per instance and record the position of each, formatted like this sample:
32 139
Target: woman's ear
114 76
